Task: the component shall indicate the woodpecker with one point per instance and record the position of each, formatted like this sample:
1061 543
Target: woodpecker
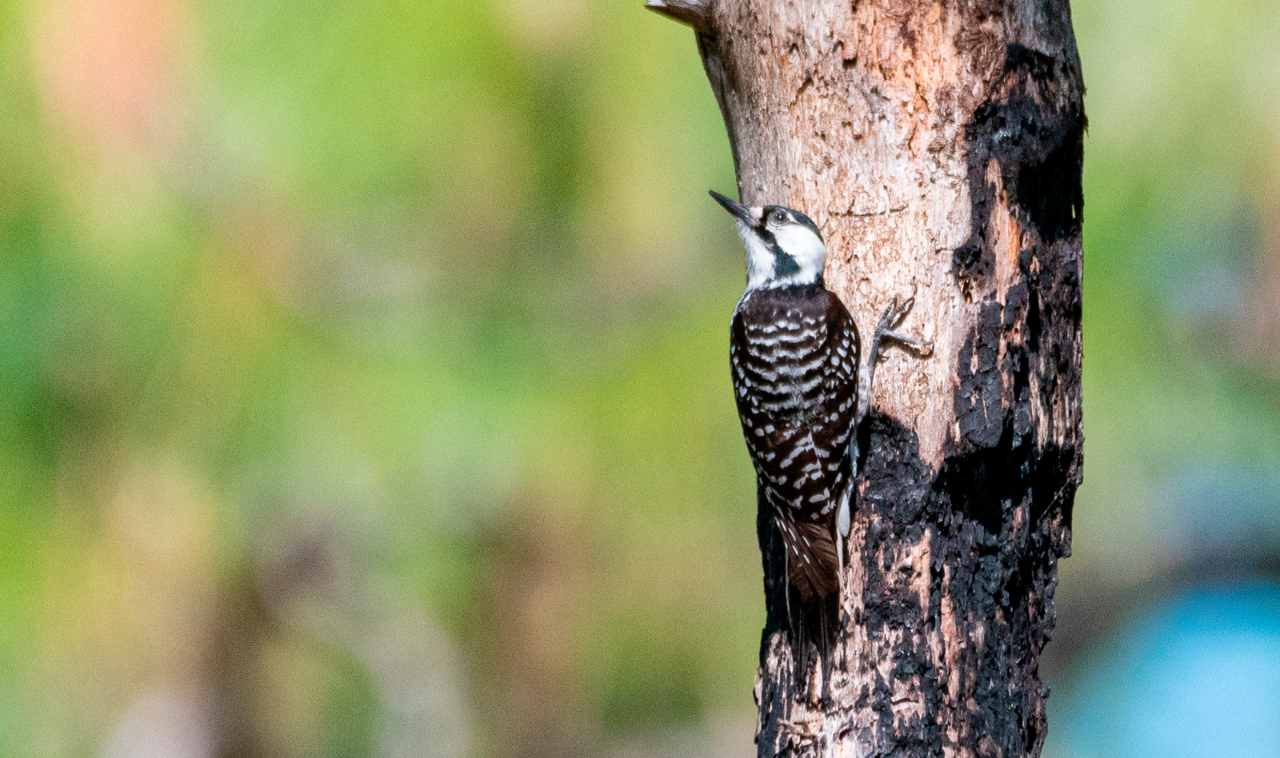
802 386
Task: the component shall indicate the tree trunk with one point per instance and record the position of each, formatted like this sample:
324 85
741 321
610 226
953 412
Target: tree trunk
938 146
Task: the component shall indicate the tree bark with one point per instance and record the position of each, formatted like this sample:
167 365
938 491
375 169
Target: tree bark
938 146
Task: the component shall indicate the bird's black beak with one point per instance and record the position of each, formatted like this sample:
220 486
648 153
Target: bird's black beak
737 209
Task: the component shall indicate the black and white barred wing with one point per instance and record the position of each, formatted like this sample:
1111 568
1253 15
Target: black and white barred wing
795 374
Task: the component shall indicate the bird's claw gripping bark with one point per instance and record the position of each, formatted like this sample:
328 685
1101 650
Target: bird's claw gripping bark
895 313
890 320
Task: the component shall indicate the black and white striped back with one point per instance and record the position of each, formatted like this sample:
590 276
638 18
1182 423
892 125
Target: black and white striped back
794 353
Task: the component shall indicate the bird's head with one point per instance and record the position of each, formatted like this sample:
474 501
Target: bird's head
784 246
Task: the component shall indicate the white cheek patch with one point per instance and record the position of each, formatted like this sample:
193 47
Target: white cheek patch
803 245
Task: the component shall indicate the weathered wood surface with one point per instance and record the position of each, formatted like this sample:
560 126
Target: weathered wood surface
938 146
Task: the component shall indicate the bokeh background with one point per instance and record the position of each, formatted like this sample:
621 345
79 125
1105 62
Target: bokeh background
363 385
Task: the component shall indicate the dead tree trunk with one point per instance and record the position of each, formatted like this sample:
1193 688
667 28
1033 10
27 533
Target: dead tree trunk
938 145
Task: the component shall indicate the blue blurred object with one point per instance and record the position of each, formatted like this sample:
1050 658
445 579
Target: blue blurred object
1223 512
1197 675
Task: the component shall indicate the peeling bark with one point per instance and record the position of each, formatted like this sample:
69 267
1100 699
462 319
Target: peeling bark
939 148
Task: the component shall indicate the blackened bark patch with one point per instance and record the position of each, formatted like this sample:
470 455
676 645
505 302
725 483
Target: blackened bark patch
1034 325
903 512
979 396
987 484
1053 485
1039 149
1001 570
1056 207
897 479
983 484
995 456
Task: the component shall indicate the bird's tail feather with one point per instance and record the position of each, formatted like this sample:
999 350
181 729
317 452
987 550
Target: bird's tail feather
813 568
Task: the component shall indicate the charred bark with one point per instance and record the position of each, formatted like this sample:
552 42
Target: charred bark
939 147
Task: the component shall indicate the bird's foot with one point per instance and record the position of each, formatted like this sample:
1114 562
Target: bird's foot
891 318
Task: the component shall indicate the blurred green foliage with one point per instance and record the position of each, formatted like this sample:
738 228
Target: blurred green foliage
362 364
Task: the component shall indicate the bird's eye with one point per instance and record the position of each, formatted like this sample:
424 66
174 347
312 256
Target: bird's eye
778 217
